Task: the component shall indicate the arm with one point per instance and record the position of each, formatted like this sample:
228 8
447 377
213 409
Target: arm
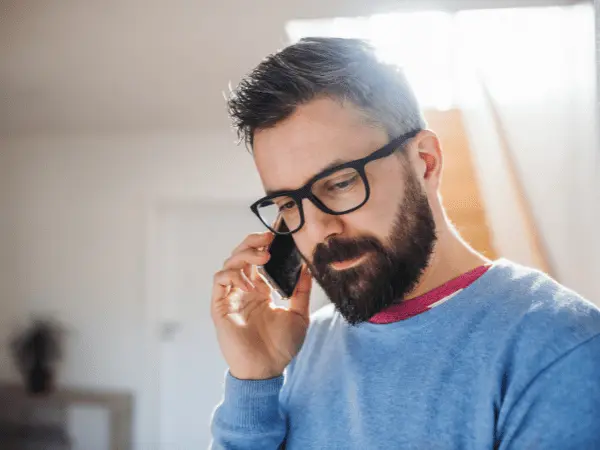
258 341
249 417
560 408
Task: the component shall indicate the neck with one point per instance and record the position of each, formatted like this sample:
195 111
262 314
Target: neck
451 257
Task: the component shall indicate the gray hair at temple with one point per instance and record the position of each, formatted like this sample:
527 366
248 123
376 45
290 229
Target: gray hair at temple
342 69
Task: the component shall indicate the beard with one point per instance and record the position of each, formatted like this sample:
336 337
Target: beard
389 271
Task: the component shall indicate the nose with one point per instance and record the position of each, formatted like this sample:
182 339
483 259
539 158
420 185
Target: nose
318 225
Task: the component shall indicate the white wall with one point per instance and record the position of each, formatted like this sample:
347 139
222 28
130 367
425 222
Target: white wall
542 80
552 132
79 206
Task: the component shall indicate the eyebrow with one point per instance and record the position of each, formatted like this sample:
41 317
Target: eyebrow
331 165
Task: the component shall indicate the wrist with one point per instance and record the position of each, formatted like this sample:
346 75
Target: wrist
255 375
250 404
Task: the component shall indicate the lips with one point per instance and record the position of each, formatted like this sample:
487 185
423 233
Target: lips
340 254
348 263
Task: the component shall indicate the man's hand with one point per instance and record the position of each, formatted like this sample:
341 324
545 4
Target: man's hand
257 338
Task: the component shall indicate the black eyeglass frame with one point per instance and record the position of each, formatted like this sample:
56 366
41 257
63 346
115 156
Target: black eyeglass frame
306 191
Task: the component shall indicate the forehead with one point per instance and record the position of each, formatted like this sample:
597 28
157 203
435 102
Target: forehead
317 134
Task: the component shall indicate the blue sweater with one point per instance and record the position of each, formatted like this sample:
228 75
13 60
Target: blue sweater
511 362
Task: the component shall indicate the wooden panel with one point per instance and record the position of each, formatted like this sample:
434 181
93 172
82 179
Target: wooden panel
460 193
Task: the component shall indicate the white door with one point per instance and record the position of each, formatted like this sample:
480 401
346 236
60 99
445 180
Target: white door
192 241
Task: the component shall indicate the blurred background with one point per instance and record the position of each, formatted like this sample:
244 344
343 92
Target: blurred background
122 189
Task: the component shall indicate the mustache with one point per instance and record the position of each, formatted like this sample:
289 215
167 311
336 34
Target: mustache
342 249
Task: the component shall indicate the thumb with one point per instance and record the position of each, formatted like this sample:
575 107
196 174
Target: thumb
300 300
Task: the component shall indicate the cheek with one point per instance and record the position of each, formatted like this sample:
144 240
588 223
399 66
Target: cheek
372 219
305 248
375 219
385 198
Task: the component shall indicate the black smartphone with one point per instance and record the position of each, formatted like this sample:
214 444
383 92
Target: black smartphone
283 269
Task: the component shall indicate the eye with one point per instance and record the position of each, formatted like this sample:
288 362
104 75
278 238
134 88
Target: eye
344 183
287 205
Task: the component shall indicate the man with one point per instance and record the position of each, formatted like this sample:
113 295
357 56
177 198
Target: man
427 344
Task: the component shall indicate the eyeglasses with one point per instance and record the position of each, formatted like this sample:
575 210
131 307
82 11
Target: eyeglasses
336 191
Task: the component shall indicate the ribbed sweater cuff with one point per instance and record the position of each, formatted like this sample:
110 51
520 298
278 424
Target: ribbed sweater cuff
251 403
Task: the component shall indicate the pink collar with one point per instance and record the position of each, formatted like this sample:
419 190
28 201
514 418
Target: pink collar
417 305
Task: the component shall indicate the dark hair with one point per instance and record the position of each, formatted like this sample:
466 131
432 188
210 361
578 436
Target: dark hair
343 69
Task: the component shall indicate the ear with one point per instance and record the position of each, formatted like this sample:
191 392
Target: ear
429 158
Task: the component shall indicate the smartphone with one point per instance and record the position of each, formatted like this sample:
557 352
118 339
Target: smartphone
283 269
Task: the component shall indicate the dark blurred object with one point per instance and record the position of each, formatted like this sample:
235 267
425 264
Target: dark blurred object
37 350
31 422
40 422
26 437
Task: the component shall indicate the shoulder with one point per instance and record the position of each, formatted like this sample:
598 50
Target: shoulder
532 322
546 358
532 303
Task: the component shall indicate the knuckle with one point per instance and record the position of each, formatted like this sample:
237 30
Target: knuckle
252 237
221 274
217 276
240 277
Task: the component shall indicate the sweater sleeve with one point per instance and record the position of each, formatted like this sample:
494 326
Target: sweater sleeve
249 417
560 408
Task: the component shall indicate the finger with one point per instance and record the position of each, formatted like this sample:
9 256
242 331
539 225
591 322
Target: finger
252 273
300 300
247 270
225 280
224 284
255 240
250 256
